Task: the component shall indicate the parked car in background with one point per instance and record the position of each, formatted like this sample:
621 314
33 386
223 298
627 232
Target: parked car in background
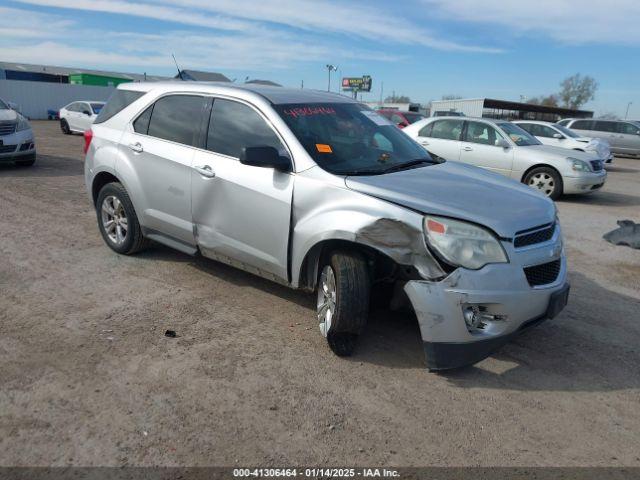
447 113
622 135
505 148
400 119
559 136
212 168
16 137
77 117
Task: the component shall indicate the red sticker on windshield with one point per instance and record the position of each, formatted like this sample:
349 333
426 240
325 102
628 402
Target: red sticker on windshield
307 111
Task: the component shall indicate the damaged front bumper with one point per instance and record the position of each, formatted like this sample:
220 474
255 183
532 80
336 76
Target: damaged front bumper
500 295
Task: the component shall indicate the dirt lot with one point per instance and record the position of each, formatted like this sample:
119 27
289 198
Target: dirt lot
88 378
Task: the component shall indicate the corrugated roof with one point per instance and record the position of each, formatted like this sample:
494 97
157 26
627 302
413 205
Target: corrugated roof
54 70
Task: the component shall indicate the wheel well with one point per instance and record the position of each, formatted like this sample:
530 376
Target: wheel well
382 267
100 181
544 165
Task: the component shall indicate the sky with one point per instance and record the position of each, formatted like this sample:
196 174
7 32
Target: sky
420 48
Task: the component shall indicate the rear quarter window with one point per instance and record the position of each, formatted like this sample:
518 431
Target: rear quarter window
118 101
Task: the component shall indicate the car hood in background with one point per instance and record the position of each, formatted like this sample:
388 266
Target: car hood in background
461 191
8 115
553 152
598 145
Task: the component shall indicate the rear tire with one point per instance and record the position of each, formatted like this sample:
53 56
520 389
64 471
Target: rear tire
343 300
546 180
118 221
64 126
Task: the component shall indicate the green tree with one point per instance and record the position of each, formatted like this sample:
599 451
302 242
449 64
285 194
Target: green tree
548 101
577 90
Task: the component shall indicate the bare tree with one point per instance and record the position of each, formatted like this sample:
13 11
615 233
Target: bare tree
577 90
397 99
608 116
548 101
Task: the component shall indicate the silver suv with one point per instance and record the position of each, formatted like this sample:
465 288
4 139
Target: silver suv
622 135
320 193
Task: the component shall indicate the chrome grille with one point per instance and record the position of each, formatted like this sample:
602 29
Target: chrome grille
7 148
7 128
540 234
543 274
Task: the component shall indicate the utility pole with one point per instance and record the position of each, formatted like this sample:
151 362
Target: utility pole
301 84
627 114
381 90
330 68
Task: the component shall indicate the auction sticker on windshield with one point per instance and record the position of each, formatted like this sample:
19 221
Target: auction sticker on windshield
324 148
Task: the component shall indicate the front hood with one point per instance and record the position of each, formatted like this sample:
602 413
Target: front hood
7 115
556 153
461 191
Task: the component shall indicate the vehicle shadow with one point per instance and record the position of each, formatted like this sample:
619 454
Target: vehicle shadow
45 166
618 169
591 346
603 198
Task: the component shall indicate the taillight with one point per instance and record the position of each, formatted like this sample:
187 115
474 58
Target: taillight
88 136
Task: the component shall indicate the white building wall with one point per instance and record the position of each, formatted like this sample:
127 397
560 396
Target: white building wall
35 98
470 107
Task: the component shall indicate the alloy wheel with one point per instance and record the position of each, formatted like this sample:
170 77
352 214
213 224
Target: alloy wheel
543 182
326 304
114 219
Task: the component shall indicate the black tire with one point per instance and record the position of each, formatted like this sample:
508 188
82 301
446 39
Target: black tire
133 241
28 162
550 177
64 126
352 289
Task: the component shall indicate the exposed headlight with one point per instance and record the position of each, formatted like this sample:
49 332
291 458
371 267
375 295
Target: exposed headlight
23 124
463 244
579 165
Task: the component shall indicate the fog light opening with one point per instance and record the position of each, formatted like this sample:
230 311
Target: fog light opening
476 317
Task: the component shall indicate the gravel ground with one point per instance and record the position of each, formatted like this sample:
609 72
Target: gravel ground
88 377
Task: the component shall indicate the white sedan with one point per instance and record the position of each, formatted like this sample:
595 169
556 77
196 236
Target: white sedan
77 117
505 148
559 136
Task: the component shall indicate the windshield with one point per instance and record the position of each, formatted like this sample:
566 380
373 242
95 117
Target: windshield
96 107
351 139
413 117
3 106
566 131
517 135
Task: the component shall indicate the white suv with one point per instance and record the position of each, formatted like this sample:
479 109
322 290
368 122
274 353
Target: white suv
77 117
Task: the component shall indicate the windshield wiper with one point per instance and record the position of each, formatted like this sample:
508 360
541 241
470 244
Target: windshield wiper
409 165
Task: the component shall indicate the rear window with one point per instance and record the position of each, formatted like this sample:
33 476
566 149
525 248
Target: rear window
97 107
118 101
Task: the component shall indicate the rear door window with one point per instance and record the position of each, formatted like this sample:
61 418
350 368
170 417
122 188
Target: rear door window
582 125
602 126
234 126
177 118
447 129
118 101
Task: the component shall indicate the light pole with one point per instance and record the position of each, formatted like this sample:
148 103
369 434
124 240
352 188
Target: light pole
330 68
627 113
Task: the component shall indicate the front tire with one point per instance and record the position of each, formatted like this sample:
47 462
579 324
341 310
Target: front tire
545 179
118 221
343 300
64 126
31 159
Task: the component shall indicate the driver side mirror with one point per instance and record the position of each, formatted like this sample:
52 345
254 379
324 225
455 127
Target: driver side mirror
558 136
266 157
503 143
86 112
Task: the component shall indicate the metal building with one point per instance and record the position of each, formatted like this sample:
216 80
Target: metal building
506 110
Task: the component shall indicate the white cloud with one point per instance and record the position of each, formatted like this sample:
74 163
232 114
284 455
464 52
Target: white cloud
318 16
573 22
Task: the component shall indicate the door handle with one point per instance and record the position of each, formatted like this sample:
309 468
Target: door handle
205 171
136 147
424 142
467 149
